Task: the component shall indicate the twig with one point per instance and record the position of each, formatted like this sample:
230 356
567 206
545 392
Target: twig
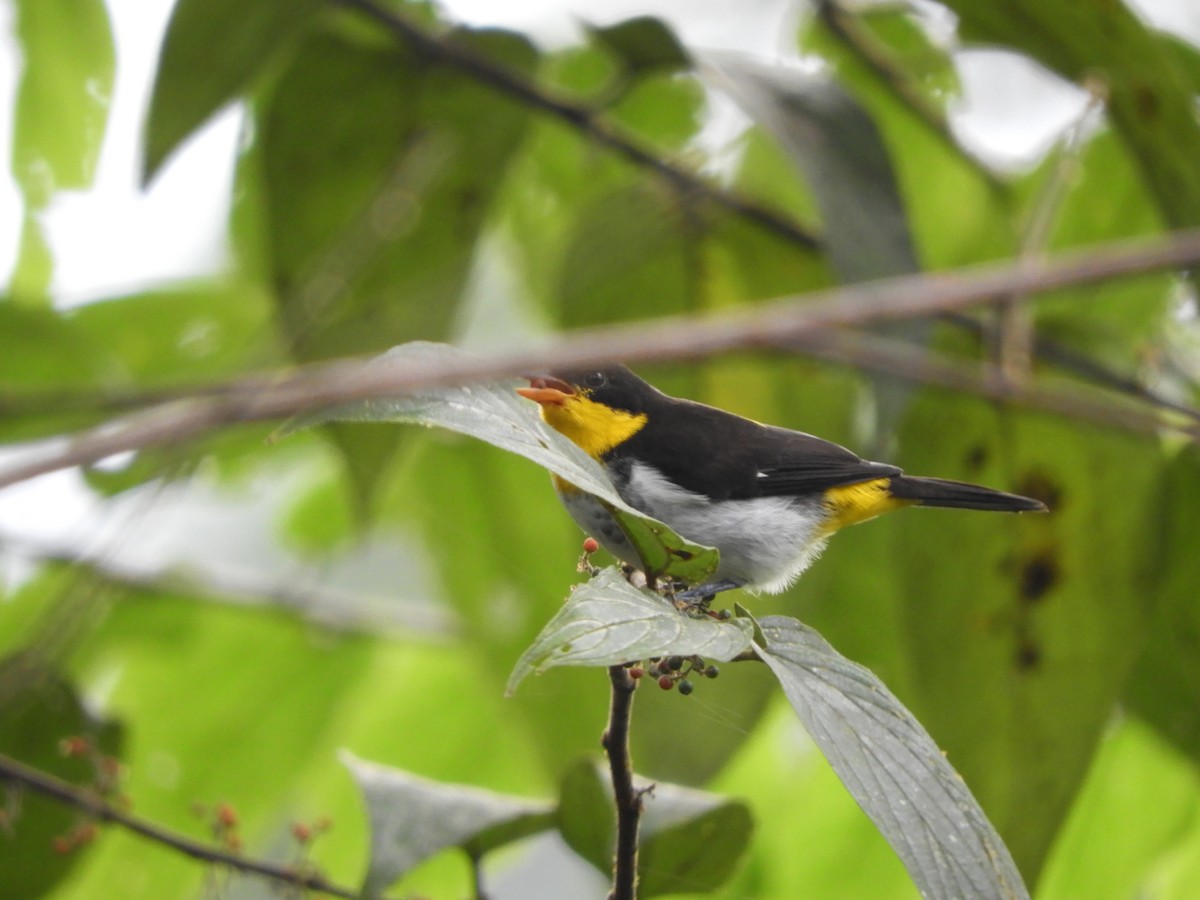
627 797
900 360
577 116
793 318
88 802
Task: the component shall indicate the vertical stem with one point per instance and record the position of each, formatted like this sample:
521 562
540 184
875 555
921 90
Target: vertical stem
628 799
477 878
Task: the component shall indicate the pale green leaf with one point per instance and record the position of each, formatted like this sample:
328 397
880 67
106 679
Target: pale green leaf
606 621
412 818
496 414
892 767
838 148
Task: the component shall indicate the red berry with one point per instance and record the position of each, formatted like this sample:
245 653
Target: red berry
227 816
75 745
636 672
590 545
301 832
666 682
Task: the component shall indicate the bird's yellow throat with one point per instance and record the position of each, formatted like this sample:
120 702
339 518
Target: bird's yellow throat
594 427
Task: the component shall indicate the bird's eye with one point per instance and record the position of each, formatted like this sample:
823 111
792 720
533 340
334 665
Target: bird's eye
595 380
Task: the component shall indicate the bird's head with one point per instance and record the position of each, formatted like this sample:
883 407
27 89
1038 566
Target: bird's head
598 409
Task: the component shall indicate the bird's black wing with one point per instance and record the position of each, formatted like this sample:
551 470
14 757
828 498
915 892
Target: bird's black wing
726 457
803 464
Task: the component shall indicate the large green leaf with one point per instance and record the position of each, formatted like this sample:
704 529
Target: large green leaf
1164 687
230 43
1051 609
379 169
892 767
378 172
632 243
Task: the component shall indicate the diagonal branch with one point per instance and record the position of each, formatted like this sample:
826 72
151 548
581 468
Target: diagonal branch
806 317
14 771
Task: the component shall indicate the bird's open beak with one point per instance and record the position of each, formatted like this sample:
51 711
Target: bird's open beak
546 390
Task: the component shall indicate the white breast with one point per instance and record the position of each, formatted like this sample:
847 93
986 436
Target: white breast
765 542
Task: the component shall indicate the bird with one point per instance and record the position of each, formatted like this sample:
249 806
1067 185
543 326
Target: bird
768 498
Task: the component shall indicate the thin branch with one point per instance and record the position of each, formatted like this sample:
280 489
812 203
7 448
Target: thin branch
628 798
795 318
86 801
900 360
582 118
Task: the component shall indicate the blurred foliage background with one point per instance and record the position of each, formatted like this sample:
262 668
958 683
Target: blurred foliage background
241 610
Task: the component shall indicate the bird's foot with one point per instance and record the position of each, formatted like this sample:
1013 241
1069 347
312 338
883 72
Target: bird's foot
696 600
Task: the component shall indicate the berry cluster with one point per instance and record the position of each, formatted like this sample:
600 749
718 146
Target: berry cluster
670 671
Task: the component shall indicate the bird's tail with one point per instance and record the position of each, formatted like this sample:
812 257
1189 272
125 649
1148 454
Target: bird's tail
959 495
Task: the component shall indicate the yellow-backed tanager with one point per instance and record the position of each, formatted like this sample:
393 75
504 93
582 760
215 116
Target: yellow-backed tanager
767 498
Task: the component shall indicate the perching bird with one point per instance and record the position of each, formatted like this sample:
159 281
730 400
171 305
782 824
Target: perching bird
767 498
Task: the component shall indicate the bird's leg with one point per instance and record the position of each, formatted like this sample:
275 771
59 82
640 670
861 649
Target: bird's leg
701 596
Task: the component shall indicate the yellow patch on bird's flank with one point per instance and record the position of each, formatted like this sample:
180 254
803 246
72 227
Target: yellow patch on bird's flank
849 504
594 427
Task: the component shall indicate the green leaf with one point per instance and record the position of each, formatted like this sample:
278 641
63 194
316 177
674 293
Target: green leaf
1164 686
413 818
43 353
1133 829
39 708
379 171
606 621
631 243
892 767
379 168
63 98
212 53
496 414
642 44
34 271
1054 608
837 146
690 840
586 814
